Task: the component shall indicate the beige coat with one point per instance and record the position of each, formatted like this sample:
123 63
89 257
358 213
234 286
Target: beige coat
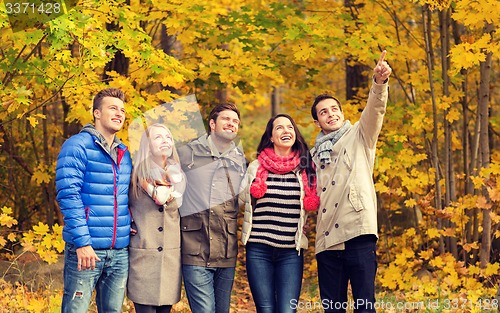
155 252
348 204
246 200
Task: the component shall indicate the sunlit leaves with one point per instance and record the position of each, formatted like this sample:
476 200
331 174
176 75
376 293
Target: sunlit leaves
6 218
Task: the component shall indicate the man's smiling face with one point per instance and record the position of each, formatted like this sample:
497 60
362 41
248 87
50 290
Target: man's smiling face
330 116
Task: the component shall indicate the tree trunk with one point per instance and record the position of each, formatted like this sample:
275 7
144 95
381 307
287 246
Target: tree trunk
484 97
354 79
450 195
426 17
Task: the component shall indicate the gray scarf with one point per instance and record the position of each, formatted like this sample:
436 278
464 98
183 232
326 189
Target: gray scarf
324 143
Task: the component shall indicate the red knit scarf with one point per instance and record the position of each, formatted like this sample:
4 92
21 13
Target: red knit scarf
270 161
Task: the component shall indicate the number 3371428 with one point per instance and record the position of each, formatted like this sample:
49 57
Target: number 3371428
15 8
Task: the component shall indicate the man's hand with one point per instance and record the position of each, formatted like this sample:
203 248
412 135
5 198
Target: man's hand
382 71
86 258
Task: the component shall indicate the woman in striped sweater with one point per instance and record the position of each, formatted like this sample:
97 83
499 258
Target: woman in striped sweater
280 189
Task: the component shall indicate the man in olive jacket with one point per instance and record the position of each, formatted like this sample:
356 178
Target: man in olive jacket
346 232
214 167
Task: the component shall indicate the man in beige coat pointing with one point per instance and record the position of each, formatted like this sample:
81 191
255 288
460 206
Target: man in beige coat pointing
346 232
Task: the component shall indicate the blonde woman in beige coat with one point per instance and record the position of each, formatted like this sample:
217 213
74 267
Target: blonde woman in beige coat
157 185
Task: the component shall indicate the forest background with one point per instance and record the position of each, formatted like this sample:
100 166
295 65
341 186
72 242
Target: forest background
438 158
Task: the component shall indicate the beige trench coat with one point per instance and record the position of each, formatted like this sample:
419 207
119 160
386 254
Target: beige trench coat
155 252
348 203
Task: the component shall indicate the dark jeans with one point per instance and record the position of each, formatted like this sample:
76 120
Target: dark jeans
208 289
356 264
274 276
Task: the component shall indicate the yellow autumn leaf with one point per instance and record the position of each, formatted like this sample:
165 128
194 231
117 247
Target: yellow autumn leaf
2 241
7 210
482 203
41 229
37 305
492 269
433 233
303 52
11 237
410 203
427 254
437 262
7 220
453 115
469 246
477 181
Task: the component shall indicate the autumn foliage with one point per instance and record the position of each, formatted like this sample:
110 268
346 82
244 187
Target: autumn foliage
438 161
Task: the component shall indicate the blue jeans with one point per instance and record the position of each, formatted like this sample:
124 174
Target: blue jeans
109 278
357 264
208 289
275 277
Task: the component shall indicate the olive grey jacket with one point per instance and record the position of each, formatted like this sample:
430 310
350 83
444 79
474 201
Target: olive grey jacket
210 205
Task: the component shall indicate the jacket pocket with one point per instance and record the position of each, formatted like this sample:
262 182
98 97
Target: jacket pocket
191 235
355 198
232 238
347 160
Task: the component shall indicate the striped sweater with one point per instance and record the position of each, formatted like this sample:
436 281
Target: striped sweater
277 213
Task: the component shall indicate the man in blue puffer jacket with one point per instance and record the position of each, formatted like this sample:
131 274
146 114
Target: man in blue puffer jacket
92 180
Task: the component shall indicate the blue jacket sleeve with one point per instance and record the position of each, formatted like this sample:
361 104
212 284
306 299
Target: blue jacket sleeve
70 174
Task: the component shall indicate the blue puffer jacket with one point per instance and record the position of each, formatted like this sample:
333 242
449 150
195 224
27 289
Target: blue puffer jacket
92 191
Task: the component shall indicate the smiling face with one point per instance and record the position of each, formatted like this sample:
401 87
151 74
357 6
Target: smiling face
160 142
283 135
226 126
109 118
330 116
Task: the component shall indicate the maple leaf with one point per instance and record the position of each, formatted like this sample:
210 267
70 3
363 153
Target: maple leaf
7 220
469 246
492 269
433 233
12 237
483 203
41 229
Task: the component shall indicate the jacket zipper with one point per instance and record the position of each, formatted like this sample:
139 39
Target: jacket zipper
115 205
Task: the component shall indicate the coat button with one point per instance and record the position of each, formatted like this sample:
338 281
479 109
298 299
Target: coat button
333 182
160 249
324 189
324 210
322 167
336 204
160 228
160 209
327 233
336 225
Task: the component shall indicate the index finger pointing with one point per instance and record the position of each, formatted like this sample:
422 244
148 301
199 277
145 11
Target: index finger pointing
382 56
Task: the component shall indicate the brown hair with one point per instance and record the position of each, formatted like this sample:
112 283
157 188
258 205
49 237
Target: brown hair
108 92
318 100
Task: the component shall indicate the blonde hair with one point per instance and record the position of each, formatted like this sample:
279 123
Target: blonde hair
144 164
